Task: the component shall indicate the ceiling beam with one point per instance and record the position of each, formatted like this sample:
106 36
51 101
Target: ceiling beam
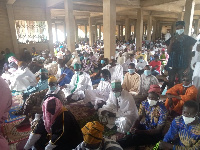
53 3
11 1
147 3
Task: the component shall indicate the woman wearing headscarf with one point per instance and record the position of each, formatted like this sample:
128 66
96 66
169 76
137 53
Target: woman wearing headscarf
147 129
60 124
94 140
5 103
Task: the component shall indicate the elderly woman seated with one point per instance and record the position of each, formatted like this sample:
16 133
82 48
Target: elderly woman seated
58 122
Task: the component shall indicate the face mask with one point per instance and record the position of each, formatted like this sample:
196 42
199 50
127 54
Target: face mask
102 79
54 62
186 86
141 60
188 120
92 149
52 88
131 71
152 102
85 58
180 31
102 61
147 72
142 53
77 72
117 94
62 69
73 56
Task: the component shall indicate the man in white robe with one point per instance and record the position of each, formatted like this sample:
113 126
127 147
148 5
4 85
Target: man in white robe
99 96
80 82
130 60
120 109
22 79
116 70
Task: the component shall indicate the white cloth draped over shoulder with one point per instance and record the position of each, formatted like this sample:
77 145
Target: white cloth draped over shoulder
126 114
84 83
22 80
126 64
100 94
116 72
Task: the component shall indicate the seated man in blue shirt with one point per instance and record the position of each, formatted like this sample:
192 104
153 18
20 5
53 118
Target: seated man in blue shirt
66 73
184 132
147 129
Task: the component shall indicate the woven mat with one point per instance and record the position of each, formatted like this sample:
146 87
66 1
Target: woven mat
11 134
12 117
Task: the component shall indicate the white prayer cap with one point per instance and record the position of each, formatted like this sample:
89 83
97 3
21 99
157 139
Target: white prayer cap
112 57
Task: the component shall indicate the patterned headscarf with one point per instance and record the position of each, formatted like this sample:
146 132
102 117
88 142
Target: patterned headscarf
93 132
155 89
48 117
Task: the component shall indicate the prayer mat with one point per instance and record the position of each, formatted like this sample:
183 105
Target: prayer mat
11 134
11 116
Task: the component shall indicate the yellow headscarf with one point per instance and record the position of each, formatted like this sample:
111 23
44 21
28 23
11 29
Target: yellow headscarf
93 132
52 79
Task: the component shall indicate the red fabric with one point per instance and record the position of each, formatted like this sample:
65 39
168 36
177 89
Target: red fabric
156 63
155 89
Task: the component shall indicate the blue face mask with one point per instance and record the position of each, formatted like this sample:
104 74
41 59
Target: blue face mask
117 94
52 88
62 69
147 72
102 79
54 62
85 58
141 60
77 72
102 61
73 56
131 71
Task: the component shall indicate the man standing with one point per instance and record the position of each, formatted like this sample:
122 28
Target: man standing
179 48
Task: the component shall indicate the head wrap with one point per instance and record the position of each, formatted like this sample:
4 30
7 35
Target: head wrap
155 89
77 66
93 132
52 79
116 84
12 59
163 49
43 70
180 23
48 117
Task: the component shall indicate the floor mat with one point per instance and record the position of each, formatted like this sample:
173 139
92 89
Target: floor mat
12 117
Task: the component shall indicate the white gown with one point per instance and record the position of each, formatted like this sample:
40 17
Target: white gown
126 114
116 72
100 94
22 80
126 64
83 84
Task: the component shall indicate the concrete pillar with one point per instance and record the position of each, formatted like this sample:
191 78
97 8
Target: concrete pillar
154 31
76 35
91 33
85 32
139 28
173 29
149 28
180 16
158 29
188 16
122 29
99 32
135 29
109 24
49 22
95 32
196 26
118 33
12 29
127 29
69 19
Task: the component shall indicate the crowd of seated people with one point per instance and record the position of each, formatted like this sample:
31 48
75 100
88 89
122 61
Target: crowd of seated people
125 91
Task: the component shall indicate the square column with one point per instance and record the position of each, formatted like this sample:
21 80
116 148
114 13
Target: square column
95 39
76 29
91 33
118 36
180 16
149 28
85 32
127 29
188 17
154 31
139 28
99 32
49 22
121 32
196 26
69 19
135 28
109 24
158 30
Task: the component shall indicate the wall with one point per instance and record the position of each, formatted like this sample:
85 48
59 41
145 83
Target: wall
5 34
